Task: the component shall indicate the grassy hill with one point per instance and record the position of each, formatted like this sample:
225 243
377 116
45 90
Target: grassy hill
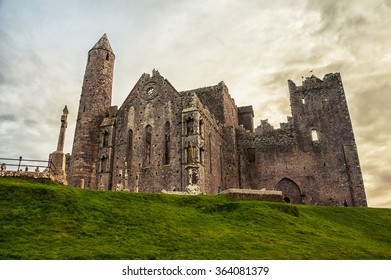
42 220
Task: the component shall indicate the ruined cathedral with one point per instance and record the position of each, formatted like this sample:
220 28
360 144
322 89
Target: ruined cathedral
200 141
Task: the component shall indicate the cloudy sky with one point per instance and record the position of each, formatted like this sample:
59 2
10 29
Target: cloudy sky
254 46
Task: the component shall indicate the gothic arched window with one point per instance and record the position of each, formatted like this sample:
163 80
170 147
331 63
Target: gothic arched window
129 150
148 146
105 140
167 140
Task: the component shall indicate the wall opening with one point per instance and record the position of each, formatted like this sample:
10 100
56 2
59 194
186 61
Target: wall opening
105 140
210 153
167 142
148 146
202 155
251 155
314 135
189 126
129 150
201 127
103 164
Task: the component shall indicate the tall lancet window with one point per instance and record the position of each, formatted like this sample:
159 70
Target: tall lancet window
148 146
201 128
129 150
167 140
103 164
210 153
105 140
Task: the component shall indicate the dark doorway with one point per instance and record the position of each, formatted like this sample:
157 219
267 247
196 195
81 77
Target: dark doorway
286 199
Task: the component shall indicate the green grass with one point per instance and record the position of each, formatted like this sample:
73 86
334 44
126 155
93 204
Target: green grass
42 220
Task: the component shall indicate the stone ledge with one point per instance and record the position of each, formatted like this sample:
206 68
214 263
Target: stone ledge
179 193
254 194
26 174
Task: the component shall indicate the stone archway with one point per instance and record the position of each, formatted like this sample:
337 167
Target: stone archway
290 191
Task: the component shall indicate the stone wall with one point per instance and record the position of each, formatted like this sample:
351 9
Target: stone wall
26 174
140 162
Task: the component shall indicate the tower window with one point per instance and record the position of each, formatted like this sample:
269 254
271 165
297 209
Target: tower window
303 100
107 56
105 139
103 164
314 135
251 155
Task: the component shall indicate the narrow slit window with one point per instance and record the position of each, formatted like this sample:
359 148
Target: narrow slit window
189 126
201 128
107 56
105 139
129 150
210 154
314 135
303 100
202 155
251 155
166 159
103 164
148 146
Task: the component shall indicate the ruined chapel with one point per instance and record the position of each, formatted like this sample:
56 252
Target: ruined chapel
199 140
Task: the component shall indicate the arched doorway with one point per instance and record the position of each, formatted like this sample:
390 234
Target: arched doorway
290 191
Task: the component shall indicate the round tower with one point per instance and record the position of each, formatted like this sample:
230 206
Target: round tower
94 105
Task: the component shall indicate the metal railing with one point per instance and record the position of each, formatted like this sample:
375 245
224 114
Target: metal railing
21 164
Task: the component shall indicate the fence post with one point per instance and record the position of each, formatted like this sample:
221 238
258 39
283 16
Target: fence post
20 161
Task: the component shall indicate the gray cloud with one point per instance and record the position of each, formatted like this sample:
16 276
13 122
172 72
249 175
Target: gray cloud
7 117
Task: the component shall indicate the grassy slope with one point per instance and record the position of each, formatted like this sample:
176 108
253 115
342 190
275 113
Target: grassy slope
47 221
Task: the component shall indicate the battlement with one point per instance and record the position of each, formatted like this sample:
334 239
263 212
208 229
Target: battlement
314 82
266 128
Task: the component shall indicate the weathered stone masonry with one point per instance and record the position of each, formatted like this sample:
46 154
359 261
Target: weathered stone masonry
195 141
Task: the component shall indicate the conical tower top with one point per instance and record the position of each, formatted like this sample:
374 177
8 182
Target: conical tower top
103 43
